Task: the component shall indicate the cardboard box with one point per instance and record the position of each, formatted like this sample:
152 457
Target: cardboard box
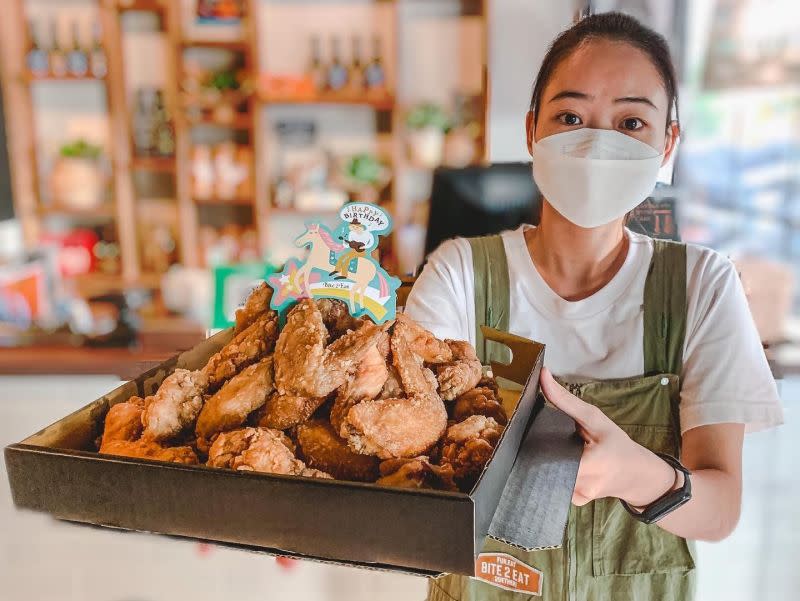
424 532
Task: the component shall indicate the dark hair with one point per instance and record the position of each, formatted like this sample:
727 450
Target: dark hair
616 27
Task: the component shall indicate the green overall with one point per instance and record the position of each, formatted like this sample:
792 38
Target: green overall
606 554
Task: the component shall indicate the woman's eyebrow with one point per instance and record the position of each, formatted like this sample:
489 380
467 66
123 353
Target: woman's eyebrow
571 94
639 99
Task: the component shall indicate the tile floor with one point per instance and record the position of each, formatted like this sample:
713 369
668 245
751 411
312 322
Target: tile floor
43 560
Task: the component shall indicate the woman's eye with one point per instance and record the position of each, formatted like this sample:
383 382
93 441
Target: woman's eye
632 124
569 119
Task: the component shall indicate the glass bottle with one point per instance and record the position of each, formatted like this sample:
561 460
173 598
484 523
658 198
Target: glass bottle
164 142
77 61
144 127
98 64
316 70
357 81
37 57
337 72
374 73
58 58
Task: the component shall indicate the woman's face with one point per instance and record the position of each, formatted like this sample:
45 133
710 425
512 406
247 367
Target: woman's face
606 85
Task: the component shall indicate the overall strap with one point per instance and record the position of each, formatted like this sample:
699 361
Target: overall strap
492 297
665 308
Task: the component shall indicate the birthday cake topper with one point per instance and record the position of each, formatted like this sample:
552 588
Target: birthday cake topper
339 265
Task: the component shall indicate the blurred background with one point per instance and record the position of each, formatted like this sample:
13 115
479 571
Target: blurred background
158 156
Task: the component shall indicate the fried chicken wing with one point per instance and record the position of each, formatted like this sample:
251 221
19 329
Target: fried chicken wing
258 450
479 401
416 472
146 449
124 421
229 407
462 373
255 306
367 382
399 427
283 411
175 406
337 318
322 448
392 388
254 342
421 341
468 445
305 366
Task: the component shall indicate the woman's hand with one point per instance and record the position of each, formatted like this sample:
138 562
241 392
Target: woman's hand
612 464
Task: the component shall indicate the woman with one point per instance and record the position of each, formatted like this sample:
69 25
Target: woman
653 340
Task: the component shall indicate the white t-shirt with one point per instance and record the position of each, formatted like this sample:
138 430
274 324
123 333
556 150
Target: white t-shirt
725 379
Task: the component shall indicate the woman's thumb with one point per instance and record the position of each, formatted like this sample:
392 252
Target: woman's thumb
567 402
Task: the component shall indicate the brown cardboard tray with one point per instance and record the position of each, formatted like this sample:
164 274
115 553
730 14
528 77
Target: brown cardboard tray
424 532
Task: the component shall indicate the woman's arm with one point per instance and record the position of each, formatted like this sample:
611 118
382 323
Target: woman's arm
714 456
613 465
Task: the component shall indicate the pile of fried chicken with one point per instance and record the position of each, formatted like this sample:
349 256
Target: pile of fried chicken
329 396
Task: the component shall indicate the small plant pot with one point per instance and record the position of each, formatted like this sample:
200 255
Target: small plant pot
426 146
77 183
459 148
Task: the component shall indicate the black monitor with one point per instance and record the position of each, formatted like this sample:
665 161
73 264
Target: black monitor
476 201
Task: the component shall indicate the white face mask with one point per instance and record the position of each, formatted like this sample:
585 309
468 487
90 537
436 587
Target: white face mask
594 176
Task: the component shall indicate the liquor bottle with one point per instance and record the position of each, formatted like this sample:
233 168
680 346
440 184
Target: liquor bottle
316 70
98 64
37 56
357 81
337 72
77 61
58 58
374 73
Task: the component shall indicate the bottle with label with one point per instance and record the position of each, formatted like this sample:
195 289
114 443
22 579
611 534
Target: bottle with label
77 61
164 142
144 126
374 73
58 58
337 72
316 70
98 64
36 59
357 82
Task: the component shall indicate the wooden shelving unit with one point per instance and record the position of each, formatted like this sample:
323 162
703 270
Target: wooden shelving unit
252 124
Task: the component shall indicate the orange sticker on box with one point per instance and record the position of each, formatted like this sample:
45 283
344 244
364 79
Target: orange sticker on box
508 572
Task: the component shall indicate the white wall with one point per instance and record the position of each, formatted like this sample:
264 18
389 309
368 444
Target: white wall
520 32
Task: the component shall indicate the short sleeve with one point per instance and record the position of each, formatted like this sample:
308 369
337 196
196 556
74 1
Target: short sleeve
442 299
726 377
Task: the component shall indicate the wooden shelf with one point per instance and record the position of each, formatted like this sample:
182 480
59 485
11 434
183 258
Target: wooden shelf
252 128
305 212
164 164
104 211
141 5
93 284
243 201
384 102
232 45
238 122
31 78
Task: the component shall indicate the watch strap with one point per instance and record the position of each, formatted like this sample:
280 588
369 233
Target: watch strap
669 501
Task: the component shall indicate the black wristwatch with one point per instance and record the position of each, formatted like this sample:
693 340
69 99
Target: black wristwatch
668 502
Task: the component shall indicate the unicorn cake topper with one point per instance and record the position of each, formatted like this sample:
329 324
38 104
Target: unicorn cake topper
339 265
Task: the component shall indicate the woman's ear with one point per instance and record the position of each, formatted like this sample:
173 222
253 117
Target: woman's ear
529 127
671 141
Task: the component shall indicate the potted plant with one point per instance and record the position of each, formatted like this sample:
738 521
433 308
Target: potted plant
427 123
78 179
363 175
